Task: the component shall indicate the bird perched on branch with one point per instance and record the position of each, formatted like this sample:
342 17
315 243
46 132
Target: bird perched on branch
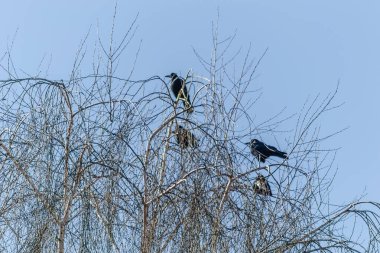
178 87
262 151
185 138
261 186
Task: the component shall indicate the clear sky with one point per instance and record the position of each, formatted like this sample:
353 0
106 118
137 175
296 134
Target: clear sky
312 45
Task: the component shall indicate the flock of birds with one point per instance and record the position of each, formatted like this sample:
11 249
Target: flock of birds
187 139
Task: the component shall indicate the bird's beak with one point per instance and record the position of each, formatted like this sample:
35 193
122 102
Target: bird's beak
247 143
167 76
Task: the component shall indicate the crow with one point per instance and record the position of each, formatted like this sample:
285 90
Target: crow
179 90
261 186
185 138
262 151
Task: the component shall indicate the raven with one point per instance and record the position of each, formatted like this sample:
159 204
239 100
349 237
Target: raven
179 89
262 151
261 186
185 138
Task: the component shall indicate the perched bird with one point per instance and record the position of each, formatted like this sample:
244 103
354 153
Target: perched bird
262 151
179 90
185 138
261 186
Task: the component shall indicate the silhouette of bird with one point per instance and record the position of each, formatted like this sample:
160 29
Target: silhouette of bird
179 90
262 151
261 186
185 138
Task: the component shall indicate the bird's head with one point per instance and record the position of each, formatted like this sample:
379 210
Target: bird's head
172 75
261 178
252 142
177 129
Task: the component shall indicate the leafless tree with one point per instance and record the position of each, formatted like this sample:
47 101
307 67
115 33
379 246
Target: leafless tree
92 164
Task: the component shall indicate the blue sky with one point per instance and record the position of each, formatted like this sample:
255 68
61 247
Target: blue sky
311 45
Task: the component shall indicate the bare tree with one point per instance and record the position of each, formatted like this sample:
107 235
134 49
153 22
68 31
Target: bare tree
92 164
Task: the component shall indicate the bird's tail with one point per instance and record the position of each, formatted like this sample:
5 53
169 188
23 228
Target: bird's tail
282 155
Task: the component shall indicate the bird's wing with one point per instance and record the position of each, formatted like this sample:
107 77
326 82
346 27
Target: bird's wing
183 87
271 148
267 186
194 141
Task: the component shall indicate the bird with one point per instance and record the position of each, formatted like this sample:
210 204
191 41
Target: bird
262 151
261 186
178 87
185 138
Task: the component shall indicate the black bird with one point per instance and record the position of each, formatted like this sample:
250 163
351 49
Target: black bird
261 186
185 138
262 151
179 89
